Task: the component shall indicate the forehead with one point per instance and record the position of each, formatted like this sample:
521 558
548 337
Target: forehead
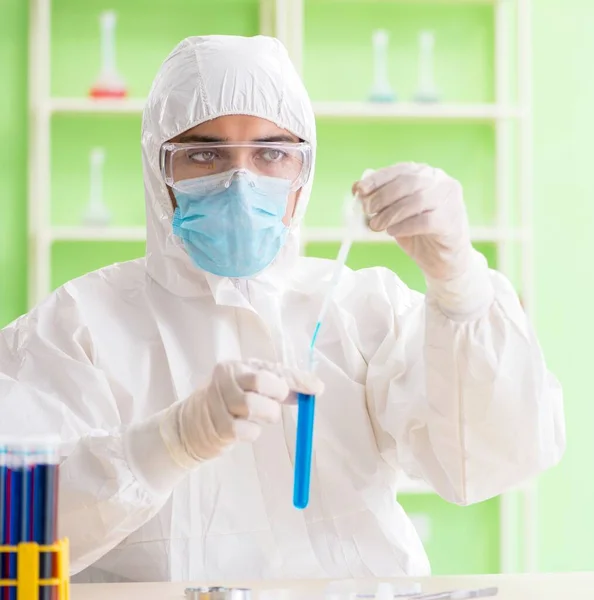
238 128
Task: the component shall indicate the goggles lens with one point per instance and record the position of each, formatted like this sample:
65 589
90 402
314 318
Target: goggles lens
288 161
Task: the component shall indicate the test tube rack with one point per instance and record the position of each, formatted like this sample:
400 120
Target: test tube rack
28 583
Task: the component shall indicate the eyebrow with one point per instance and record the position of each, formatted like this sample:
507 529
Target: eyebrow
202 139
278 138
210 139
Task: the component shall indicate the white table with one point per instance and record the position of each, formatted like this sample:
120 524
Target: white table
570 586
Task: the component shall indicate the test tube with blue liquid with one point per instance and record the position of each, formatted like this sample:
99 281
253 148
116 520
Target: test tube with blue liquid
28 505
45 508
14 510
3 541
306 404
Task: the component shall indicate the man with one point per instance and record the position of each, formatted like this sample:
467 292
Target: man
167 377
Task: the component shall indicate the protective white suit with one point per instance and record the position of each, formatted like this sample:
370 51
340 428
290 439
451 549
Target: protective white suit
467 405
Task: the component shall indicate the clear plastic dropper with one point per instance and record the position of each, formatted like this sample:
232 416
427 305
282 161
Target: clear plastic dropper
306 403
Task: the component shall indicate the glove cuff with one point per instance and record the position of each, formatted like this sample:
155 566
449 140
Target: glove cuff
151 455
467 297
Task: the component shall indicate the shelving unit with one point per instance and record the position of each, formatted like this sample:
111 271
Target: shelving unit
509 115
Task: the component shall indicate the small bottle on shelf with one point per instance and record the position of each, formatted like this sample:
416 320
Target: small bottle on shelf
97 214
426 90
110 83
381 90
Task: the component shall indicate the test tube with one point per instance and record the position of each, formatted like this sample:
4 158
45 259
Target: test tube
28 458
28 505
45 507
3 541
303 450
14 509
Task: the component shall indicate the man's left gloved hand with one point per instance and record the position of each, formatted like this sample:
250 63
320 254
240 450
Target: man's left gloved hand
423 209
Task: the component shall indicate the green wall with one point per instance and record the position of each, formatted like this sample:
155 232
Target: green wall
13 147
465 37
564 121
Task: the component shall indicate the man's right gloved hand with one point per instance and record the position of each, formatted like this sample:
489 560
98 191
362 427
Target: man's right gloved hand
240 399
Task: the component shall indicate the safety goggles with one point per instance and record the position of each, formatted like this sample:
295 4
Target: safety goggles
289 161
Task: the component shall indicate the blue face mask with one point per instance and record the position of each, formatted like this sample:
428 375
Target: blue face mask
231 223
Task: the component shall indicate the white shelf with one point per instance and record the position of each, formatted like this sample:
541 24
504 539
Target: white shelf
90 105
97 234
397 110
331 110
335 234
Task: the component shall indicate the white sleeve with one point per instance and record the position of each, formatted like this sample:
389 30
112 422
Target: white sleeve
48 385
466 404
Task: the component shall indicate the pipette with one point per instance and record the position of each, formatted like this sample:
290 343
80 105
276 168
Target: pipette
306 403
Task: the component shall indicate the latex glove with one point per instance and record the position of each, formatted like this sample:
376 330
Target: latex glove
423 209
241 398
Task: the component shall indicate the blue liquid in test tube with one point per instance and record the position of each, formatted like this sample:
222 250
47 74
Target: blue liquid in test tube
304 450
3 541
28 505
14 489
45 483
